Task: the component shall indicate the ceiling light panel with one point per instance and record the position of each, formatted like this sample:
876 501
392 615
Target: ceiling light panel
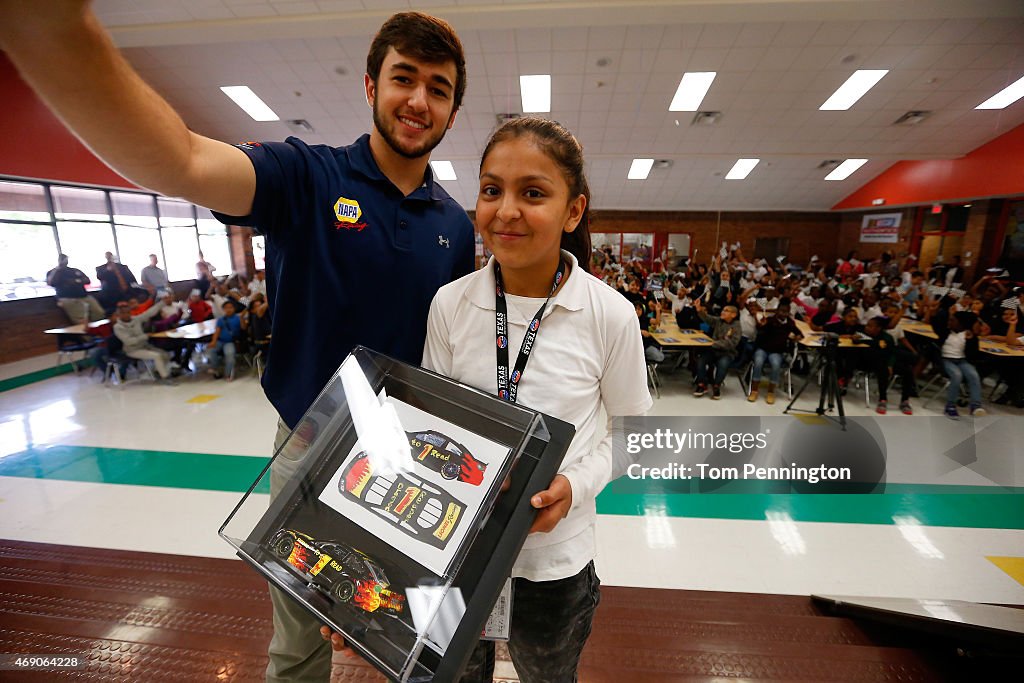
845 169
1005 97
536 93
443 170
693 86
853 89
640 169
250 102
741 169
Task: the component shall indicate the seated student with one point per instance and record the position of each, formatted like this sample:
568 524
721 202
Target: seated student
135 341
138 305
870 307
726 334
749 310
652 350
1005 331
825 315
958 344
687 317
907 356
878 358
171 311
848 327
773 338
229 330
198 309
259 320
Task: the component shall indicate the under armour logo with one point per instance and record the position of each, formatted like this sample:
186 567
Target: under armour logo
442 241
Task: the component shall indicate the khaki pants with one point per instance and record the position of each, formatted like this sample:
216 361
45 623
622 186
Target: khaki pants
297 651
160 358
82 310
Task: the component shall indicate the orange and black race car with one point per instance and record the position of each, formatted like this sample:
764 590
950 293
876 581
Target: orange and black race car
346 574
450 458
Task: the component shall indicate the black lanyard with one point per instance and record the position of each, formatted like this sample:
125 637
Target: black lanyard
509 386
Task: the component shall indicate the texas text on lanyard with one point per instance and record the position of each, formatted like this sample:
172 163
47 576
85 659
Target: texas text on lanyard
509 386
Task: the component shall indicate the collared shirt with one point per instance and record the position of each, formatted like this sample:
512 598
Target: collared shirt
344 245
587 353
154 276
69 283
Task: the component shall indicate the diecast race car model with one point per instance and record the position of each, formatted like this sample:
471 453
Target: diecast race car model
416 507
346 574
450 458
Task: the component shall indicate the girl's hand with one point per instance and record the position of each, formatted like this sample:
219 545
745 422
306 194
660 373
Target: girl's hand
337 642
553 504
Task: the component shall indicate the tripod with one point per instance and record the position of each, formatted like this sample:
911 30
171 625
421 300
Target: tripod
831 396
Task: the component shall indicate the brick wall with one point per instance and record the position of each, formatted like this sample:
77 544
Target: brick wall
809 233
849 235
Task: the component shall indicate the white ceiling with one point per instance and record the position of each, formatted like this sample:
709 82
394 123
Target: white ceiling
776 63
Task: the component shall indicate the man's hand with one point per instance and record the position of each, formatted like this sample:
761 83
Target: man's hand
552 503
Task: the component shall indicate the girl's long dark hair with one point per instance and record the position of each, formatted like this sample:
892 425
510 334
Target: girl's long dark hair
565 150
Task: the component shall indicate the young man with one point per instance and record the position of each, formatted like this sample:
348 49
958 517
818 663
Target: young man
135 341
773 341
335 219
726 334
229 328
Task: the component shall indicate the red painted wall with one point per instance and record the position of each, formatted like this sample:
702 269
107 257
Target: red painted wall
35 144
996 169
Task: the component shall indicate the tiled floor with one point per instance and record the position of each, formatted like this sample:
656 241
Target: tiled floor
179 467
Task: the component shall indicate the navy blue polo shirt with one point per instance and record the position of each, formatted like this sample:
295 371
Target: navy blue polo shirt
350 260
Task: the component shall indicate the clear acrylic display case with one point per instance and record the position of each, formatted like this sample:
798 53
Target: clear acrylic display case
398 505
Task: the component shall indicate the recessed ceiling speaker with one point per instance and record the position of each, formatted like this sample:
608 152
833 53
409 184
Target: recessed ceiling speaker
911 118
299 126
706 118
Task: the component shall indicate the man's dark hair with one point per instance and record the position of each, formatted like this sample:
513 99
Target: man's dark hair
425 39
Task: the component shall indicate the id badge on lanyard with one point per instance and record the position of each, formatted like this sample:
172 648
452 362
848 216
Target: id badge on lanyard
508 384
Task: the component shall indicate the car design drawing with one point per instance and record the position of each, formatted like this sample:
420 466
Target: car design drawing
348 575
450 458
415 506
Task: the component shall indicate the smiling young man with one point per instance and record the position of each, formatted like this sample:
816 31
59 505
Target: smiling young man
335 219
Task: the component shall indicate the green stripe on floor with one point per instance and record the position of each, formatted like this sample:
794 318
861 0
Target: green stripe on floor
975 510
929 505
37 376
139 468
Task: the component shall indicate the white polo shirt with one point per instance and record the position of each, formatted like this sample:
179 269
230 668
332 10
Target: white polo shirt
588 351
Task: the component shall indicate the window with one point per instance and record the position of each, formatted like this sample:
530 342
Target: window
80 204
86 245
259 251
27 247
27 252
180 252
23 202
181 248
135 224
83 227
213 242
38 221
638 247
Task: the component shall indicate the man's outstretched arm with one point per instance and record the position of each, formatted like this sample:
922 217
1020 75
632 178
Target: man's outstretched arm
63 52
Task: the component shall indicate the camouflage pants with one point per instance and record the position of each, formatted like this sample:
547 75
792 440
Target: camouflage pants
551 622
